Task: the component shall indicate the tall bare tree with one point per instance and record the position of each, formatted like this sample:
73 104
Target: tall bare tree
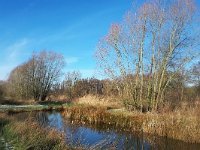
196 77
35 78
146 52
70 80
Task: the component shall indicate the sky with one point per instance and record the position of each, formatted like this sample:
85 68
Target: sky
70 27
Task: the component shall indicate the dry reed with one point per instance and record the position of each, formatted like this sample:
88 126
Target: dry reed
171 125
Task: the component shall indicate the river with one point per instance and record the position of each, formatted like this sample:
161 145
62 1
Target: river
103 137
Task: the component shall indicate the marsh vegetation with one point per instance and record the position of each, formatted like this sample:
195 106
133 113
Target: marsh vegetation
56 131
149 97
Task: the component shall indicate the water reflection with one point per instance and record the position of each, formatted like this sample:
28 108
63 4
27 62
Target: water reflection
103 137
77 135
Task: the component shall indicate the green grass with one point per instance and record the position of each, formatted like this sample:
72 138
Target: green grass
35 107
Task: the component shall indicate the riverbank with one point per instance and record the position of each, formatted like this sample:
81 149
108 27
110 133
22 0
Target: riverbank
35 107
28 134
170 125
183 124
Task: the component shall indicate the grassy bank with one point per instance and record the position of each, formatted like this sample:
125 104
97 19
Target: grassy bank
174 125
182 124
29 135
35 107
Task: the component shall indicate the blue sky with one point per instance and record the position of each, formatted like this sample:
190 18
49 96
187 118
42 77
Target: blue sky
70 27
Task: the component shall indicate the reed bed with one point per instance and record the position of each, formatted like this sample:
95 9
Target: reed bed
170 125
103 101
29 135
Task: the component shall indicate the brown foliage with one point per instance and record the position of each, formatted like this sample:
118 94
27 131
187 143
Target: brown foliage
35 78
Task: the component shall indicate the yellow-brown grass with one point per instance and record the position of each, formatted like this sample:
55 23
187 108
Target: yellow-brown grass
99 101
171 125
30 135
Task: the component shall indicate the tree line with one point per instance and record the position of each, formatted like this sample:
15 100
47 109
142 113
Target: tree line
27 81
146 61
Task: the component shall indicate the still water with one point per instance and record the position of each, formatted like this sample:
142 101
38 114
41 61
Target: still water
101 137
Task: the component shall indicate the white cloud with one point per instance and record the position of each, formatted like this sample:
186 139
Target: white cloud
15 49
13 56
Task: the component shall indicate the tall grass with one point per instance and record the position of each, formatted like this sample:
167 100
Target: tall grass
103 101
29 135
172 125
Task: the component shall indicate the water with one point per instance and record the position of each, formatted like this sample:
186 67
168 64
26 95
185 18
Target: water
79 135
102 137
4 145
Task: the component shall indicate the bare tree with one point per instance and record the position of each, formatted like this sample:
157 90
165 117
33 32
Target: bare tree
2 88
46 68
196 77
70 80
35 78
18 85
146 52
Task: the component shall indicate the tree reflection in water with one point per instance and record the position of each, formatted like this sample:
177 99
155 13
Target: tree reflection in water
102 136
